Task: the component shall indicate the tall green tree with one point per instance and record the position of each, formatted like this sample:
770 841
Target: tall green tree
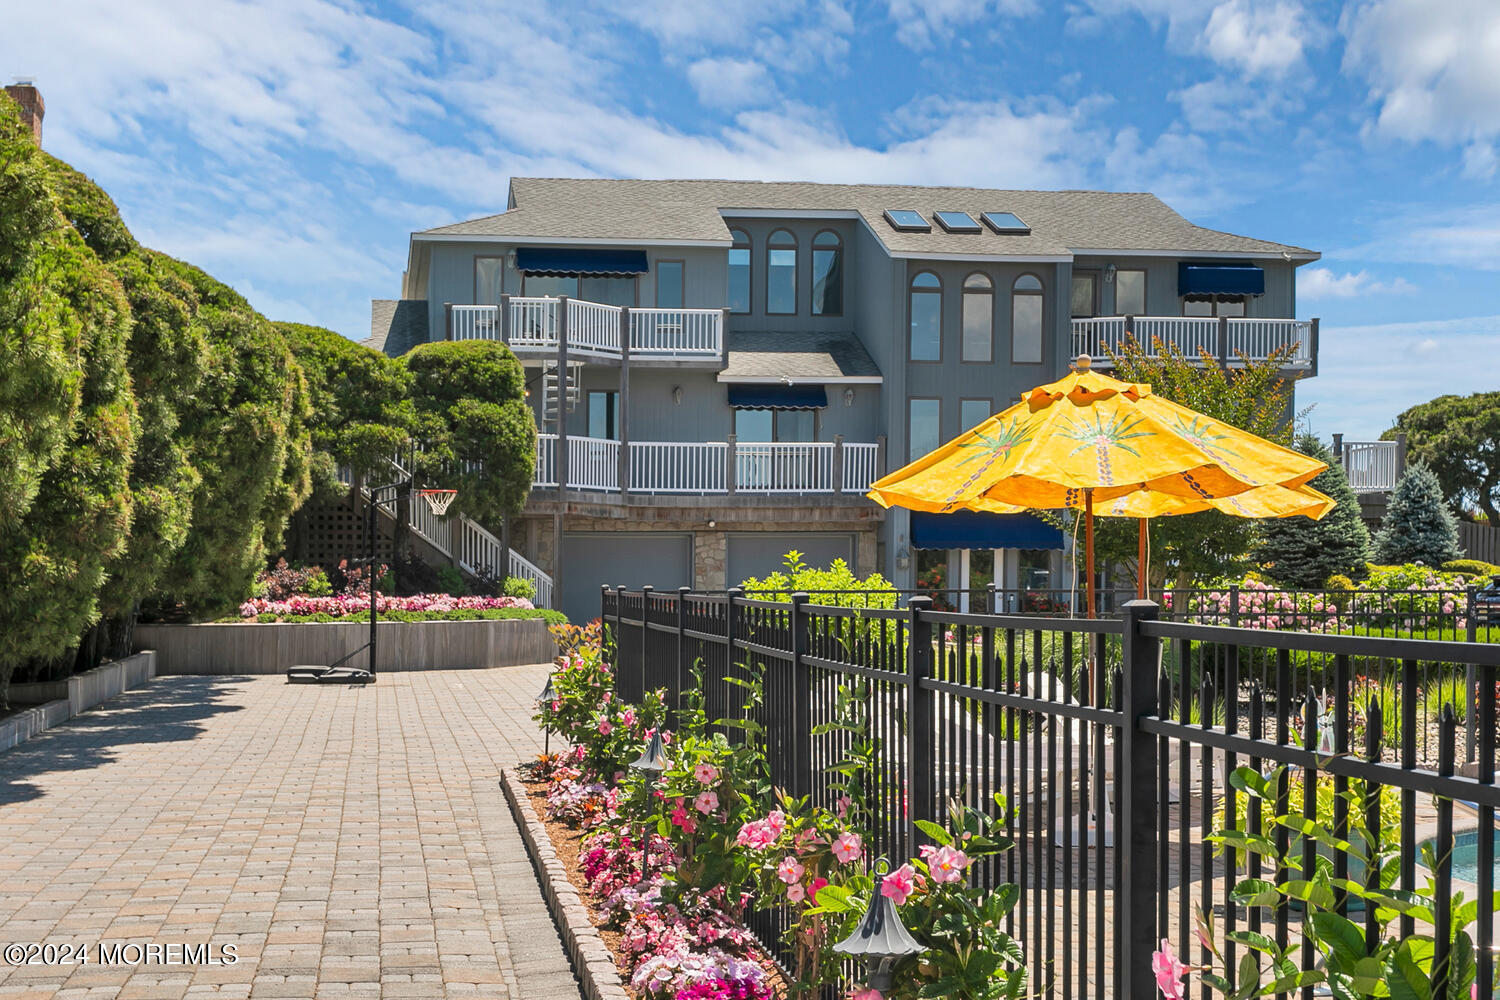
1458 438
478 433
1418 527
67 414
1254 396
1300 552
361 410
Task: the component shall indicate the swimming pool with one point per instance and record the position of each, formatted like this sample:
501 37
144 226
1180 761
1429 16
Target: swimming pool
1466 856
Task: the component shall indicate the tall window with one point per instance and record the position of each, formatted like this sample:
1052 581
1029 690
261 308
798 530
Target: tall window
669 284
1085 300
924 427
1026 320
739 273
828 274
1213 305
488 274
1130 293
604 415
781 274
610 290
979 318
926 317
973 412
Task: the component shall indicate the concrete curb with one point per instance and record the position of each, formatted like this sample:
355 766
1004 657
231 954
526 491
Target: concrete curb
592 960
74 696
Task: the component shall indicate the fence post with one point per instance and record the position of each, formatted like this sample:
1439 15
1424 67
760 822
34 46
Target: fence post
918 715
1400 455
629 695
730 463
1471 683
1338 448
504 323
682 593
1223 341
731 630
1135 836
1234 606
447 320
837 472
645 632
992 608
560 460
801 783
622 432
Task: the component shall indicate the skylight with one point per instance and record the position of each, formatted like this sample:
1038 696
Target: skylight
1006 223
907 221
957 222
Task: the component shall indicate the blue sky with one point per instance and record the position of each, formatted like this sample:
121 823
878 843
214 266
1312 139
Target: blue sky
291 147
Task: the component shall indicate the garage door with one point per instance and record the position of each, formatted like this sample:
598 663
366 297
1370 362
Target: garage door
592 559
759 553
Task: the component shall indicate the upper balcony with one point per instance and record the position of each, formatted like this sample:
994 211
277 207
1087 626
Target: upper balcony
1224 338
540 327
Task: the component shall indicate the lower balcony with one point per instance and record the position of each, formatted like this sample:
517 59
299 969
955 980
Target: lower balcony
1229 340
711 467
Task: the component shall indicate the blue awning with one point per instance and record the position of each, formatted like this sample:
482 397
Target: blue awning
972 529
579 260
777 397
1220 279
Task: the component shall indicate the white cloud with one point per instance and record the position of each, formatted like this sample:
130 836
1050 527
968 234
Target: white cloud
921 23
1466 237
1258 38
1369 374
1316 283
731 83
1433 69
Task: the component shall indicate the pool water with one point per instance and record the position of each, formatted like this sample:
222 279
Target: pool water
1466 856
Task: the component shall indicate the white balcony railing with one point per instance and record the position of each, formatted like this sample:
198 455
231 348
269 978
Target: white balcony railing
1192 336
1372 466
532 325
704 466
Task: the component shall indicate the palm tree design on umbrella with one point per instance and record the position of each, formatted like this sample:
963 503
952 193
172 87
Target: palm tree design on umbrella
1103 435
992 448
1210 440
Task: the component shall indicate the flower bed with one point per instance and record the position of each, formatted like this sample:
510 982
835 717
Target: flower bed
675 868
431 607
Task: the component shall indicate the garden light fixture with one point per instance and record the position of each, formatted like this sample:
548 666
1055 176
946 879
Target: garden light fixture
651 763
881 939
548 695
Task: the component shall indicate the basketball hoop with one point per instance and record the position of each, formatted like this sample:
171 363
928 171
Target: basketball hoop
438 500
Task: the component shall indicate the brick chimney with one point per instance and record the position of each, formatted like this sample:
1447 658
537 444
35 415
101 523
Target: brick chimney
24 93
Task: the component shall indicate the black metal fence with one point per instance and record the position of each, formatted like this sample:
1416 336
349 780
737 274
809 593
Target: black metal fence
1112 741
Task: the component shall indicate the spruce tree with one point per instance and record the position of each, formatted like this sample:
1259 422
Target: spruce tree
1418 527
1300 552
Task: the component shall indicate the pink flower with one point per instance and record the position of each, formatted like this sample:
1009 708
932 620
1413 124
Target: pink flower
795 892
606 727
1168 971
848 847
557 706
776 822
706 774
901 883
947 864
841 807
790 870
817 885
866 994
627 718
706 802
805 840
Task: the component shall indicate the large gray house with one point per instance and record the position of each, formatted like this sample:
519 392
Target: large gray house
719 368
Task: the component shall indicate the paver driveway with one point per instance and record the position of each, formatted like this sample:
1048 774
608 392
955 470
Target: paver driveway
346 841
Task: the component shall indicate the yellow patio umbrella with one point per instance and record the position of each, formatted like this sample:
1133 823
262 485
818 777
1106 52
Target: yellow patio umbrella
1089 438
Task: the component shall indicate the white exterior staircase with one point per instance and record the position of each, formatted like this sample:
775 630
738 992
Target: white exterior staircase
468 543
558 385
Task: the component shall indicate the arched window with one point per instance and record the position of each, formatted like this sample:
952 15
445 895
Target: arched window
1026 320
926 317
828 274
781 274
739 273
979 319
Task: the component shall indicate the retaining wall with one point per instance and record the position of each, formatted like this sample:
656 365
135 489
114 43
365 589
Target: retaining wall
231 648
58 701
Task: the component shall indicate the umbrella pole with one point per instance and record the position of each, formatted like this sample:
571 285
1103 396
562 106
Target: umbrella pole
1088 548
1140 563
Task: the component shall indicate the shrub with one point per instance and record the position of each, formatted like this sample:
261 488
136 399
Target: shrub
516 586
1300 552
1471 568
451 581
317 583
1418 525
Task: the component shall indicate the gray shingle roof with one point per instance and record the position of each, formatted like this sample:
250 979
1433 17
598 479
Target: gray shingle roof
694 210
799 356
397 325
